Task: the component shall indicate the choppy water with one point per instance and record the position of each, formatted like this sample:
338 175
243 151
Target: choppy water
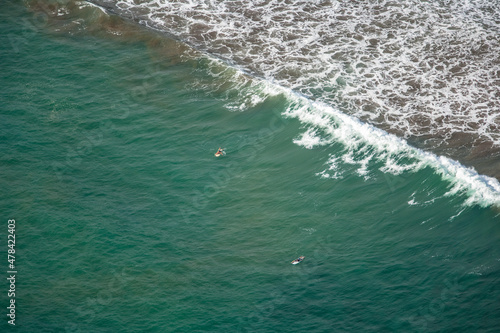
126 221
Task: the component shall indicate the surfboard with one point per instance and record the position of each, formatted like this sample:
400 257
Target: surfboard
296 261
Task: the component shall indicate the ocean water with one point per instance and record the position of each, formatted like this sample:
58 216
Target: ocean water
127 222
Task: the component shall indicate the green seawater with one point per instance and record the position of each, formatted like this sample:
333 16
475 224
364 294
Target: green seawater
125 221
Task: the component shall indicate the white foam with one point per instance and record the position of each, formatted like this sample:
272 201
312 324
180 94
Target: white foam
365 144
333 170
83 4
310 139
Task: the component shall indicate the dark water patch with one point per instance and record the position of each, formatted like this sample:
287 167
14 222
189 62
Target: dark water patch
81 19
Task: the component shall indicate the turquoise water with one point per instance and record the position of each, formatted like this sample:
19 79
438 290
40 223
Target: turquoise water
126 222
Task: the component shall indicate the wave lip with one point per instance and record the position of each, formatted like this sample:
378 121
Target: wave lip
363 144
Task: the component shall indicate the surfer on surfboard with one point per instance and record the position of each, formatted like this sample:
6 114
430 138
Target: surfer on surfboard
299 259
220 152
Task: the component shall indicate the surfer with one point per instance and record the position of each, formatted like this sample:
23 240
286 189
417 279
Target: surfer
299 259
219 152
